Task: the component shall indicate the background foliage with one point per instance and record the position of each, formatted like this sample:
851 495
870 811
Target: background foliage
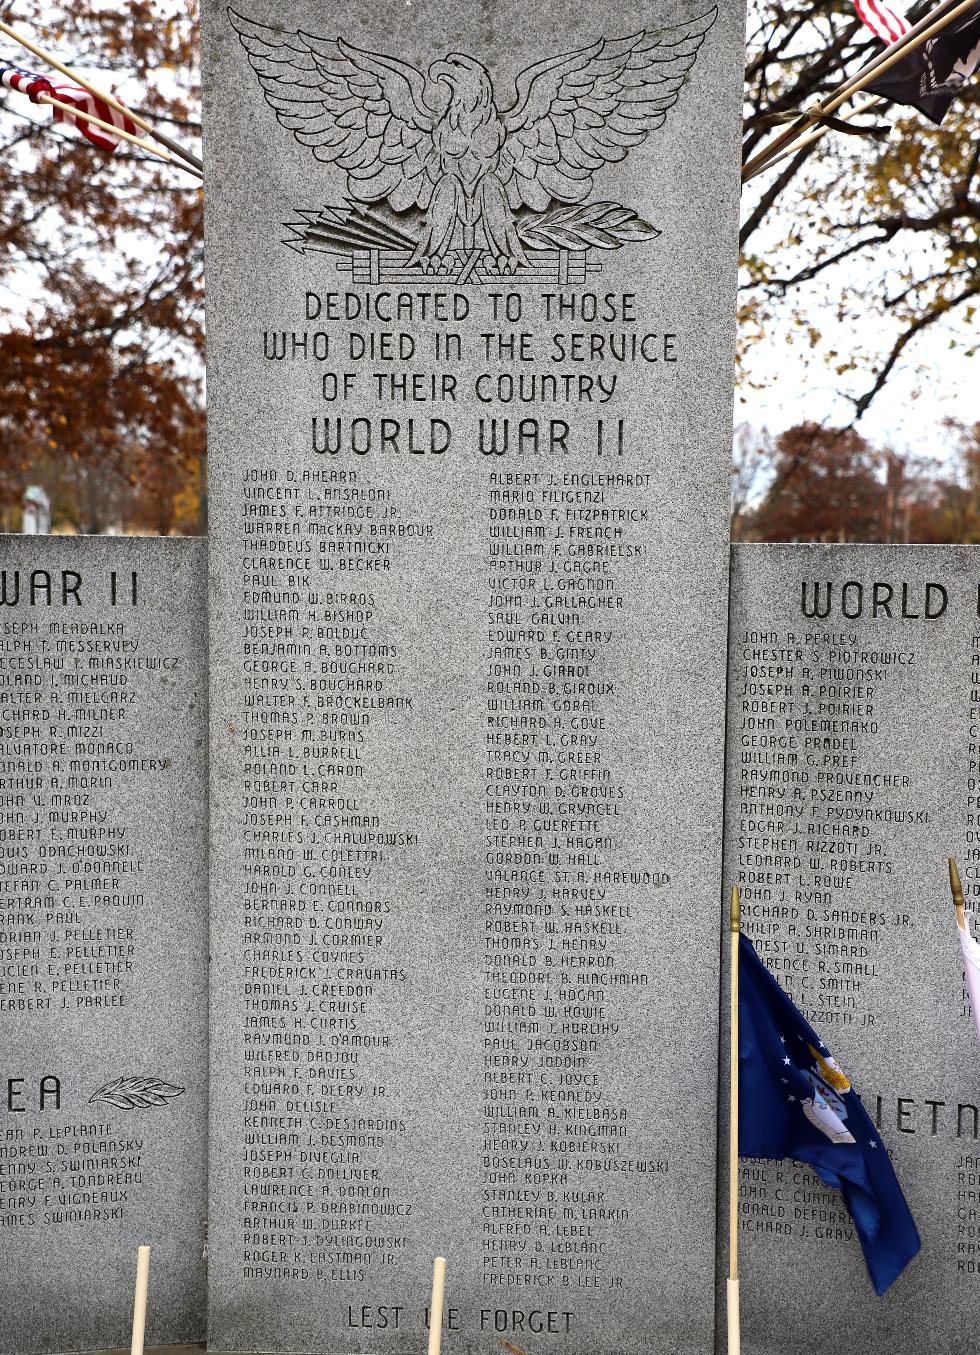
101 282
864 255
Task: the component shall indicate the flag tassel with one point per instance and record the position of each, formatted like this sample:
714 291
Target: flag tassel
822 131
734 1317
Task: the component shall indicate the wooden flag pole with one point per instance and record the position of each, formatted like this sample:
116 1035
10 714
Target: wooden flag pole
734 1319
957 890
116 131
925 29
139 1301
106 98
436 1305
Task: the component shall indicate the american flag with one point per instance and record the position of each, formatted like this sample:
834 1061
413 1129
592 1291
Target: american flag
25 82
882 21
33 85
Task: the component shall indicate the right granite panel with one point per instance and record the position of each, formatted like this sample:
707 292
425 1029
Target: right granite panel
853 772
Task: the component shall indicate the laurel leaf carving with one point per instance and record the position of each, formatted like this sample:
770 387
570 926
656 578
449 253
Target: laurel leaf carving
593 225
137 1093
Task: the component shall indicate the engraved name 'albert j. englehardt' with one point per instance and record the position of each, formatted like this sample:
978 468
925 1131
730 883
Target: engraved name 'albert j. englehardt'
442 179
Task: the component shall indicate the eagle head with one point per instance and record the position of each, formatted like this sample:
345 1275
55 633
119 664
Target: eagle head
468 78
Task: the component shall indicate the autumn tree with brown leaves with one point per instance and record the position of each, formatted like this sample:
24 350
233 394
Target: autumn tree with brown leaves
815 483
959 503
848 229
825 487
101 279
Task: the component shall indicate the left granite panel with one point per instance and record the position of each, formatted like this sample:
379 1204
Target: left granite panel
103 938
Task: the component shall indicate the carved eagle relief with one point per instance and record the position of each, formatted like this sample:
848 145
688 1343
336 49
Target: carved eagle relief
477 175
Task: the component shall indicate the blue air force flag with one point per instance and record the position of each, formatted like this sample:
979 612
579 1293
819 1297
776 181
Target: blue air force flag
795 1102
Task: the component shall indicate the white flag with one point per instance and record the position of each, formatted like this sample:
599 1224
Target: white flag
971 963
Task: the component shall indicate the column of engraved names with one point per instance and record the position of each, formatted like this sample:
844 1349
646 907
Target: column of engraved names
322 695
560 930
967 1172
496 373
71 884
818 795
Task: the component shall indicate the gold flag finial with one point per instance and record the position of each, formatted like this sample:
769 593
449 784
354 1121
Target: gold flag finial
736 910
957 888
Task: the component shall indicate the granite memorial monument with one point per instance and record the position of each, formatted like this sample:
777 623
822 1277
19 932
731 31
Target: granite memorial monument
470 342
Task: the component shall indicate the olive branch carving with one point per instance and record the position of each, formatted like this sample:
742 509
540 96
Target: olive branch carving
137 1093
594 225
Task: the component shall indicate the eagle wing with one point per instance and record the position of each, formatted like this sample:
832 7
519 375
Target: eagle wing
368 113
577 112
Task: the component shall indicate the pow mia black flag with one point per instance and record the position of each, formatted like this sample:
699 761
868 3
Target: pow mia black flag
930 77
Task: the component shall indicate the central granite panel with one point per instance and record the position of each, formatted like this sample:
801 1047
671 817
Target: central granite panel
470 331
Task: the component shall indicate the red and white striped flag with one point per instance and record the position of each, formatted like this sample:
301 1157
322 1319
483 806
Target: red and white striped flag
25 82
34 86
88 103
882 21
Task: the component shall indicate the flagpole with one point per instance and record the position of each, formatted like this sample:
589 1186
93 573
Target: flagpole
139 1300
734 1321
79 113
106 98
436 1304
957 891
926 28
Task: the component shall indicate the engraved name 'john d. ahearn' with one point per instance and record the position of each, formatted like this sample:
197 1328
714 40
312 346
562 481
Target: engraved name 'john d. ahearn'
441 179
